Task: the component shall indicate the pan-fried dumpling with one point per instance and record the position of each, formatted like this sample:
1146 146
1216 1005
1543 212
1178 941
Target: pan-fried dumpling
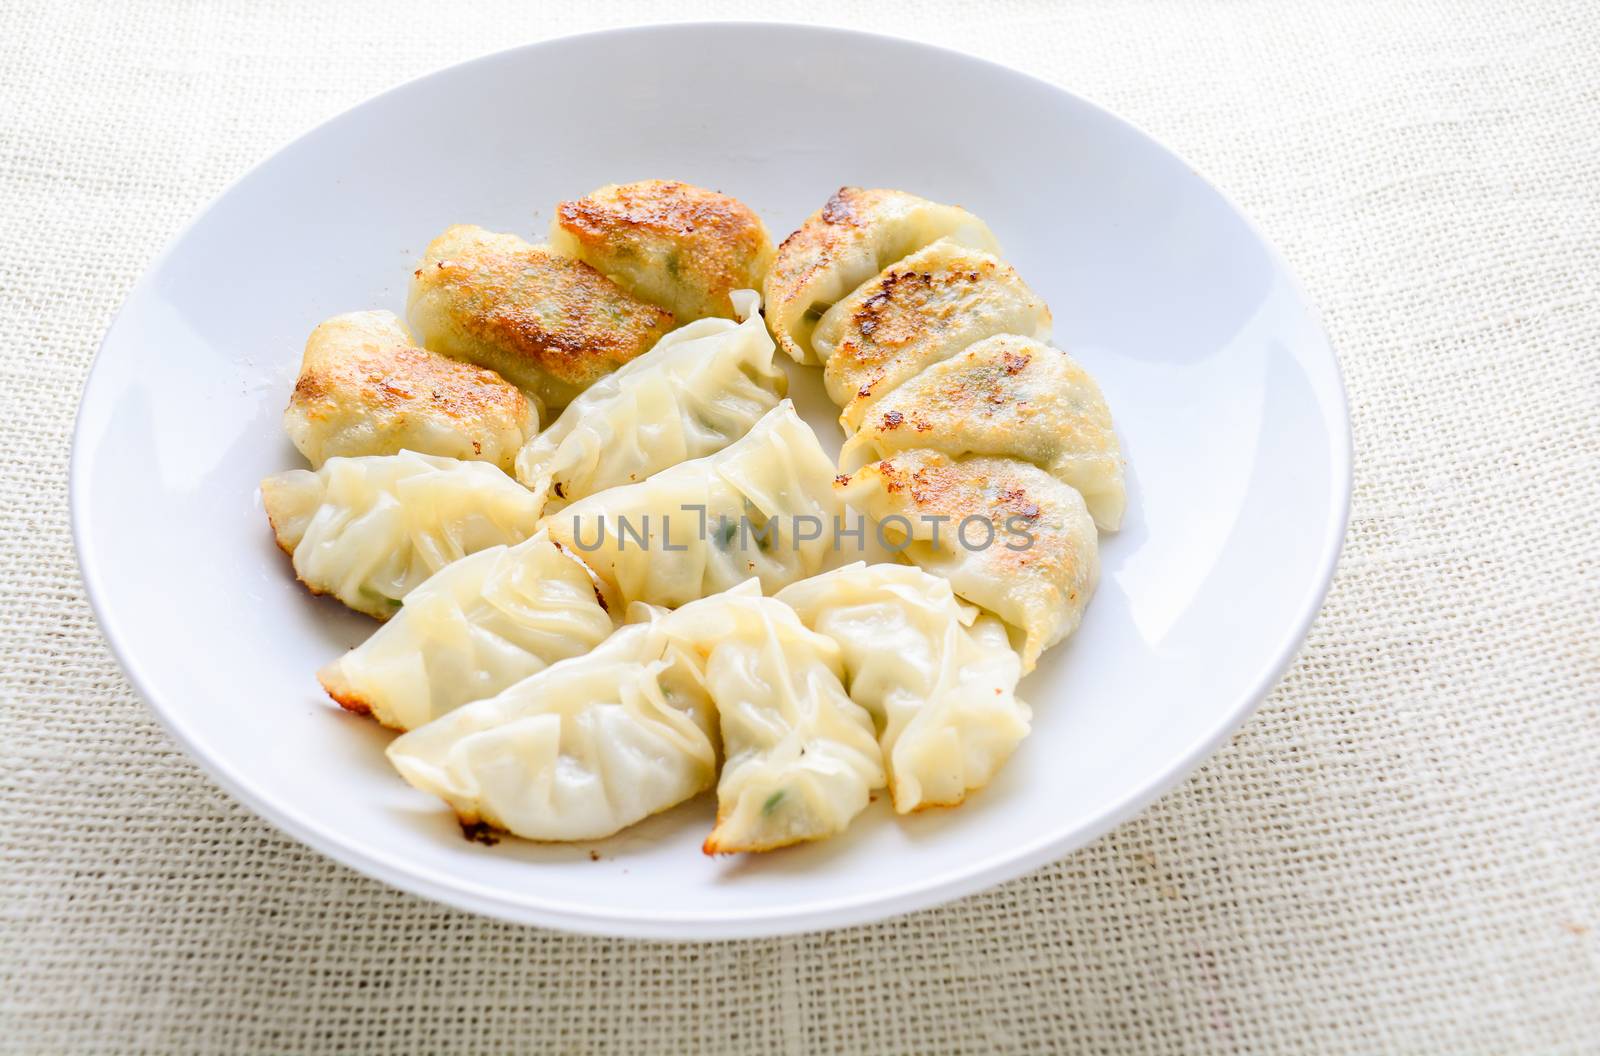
546 322
938 679
1010 396
801 755
473 628
853 237
368 530
682 247
924 309
1007 535
701 388
367 388
762 508
578 751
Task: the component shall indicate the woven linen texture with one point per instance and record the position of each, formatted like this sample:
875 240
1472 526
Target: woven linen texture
1399 853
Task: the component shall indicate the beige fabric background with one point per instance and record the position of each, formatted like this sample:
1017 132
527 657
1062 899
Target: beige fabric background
1400 852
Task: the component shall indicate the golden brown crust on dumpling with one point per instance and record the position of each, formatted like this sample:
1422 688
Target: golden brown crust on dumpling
1038 566
545 321
852 237
279 536
347 698
365 388
902 307
712 848
812 249
980 391
671 243
924 309
717 844
996 489
345 695
1010 396
397 378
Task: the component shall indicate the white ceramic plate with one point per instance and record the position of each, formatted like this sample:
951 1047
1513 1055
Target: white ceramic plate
1225 392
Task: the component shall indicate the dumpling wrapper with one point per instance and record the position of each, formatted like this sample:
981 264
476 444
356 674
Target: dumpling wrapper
763 507
673 244
801 756
853 237
938 678
1006 396
369 530
701 388
923 309
472 629
545 322
1007 535
578 751
367 388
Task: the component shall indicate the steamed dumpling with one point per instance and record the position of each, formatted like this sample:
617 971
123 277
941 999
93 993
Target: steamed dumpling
1010 396
578 751
367 388
473 628
546 322
853 237
701 388
368 530
801 755
763 507
1007 535
682 247
924 309
938 678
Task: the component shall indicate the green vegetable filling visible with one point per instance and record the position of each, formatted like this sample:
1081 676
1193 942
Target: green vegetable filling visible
380 600
772 802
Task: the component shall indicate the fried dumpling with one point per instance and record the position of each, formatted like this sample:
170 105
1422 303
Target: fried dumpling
472 629
853 237
1010 396
367 388
673 244
923 309
1007 535
764 507
701 388
546 322
801 755
577 751
938 678
367 530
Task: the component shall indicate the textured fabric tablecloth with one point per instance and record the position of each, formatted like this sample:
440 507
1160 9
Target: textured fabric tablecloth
1399 853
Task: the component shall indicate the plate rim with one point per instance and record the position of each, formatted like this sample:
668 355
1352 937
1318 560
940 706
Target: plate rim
464 894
